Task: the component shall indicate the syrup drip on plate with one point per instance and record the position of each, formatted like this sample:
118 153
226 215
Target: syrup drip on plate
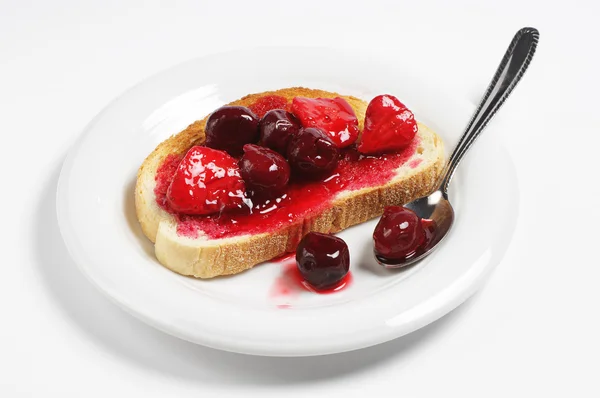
289 284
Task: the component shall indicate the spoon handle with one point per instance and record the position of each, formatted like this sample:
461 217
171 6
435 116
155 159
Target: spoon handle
509 72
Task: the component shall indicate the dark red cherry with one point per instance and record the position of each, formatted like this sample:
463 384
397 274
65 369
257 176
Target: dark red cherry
277 127
399 234
230 127
264 171
311 152
323 260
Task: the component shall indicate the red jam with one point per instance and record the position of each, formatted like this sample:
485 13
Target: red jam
300 200
267 103
415 163
164 176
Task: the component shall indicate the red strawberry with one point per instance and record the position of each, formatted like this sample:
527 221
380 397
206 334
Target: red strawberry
335 117
389 126
206 181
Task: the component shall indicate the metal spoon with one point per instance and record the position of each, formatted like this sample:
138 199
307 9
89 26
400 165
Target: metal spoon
436 206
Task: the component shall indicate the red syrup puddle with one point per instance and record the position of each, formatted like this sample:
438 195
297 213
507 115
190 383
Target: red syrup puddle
341 285
290 283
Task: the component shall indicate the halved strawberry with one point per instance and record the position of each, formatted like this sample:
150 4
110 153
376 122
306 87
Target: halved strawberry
206 181
334 116
389 126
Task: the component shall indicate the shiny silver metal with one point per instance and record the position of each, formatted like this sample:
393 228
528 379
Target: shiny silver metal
436 206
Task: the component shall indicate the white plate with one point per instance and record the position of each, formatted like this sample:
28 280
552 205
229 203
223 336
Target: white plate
241 313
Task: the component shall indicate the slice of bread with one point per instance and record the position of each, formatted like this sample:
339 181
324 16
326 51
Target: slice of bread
206 258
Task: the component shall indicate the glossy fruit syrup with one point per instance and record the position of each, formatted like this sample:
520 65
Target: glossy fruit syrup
268 102
301 199
291 283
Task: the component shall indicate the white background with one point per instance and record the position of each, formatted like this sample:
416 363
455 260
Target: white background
533 330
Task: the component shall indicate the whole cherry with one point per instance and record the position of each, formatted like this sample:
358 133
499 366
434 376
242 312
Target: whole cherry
399 234
230 127
277 128
323 260
312 153
265 172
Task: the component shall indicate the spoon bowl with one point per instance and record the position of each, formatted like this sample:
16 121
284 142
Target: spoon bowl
436 206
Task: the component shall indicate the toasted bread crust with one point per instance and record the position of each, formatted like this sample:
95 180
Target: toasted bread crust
210 258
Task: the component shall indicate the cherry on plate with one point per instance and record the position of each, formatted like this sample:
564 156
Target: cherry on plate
323 260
